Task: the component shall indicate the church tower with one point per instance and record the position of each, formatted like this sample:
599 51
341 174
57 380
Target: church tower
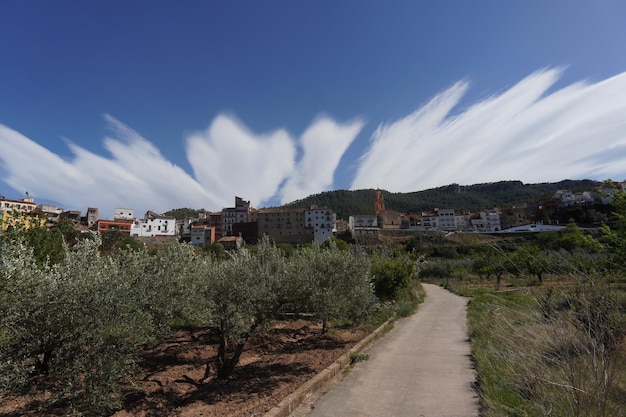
379 205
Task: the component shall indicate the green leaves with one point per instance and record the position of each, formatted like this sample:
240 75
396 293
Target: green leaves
79 325
333 283
392 276
83 321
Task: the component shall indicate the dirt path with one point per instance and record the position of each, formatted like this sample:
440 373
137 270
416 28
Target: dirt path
421 368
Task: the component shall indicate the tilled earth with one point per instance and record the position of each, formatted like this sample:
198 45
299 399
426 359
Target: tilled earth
271 367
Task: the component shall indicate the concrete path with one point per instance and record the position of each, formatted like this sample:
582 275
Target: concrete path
422 368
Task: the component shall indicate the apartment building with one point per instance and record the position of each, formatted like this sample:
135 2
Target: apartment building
91 217
24 206
322 221
153 225
48 211
238 214
20 214
363 227
202 235
124 214
430 221
72 216
486 221
447 220
284 225
568 198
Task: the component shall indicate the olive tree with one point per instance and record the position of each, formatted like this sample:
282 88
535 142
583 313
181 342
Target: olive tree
616 237
531 259
333 283
243 293
77 327
22 294
392 276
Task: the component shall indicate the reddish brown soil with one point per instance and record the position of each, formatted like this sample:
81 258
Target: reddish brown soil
271 367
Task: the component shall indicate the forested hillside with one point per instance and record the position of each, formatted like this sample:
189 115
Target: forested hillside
454 196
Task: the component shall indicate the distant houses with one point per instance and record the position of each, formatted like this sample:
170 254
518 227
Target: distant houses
19 213
368 228
153 225
242 223
296 226
201 235
603 194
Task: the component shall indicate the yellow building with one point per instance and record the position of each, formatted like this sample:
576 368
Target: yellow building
19 214
17 220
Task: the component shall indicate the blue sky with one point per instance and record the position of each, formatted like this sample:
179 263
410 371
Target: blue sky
154 105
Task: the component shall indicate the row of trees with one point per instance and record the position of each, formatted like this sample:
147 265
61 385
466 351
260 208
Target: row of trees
75 325
568 251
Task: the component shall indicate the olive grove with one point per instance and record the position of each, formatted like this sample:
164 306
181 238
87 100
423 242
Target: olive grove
76 327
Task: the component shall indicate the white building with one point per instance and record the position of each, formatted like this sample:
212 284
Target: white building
446 219
153 225
202 235
362 221
462 222
23 206
322 221
487 221
569 198
53 213
124 214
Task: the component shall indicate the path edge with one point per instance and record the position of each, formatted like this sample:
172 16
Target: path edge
291 402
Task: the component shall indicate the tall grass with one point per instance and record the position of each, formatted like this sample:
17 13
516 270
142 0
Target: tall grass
556 352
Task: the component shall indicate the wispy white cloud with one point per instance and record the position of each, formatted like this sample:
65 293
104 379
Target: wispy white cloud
323 145
136 176
528 132
525 133
227 160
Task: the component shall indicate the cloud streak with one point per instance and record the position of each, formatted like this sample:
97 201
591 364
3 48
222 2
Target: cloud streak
227 160
530 132
323 145
231 160
525 133
136 175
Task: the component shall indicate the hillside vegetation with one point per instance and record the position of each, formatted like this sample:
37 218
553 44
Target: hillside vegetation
458 197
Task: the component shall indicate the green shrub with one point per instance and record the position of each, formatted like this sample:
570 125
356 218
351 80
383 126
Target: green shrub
76 328
357 357
392 276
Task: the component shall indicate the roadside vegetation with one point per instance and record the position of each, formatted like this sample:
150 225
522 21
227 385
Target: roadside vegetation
77 310
547 318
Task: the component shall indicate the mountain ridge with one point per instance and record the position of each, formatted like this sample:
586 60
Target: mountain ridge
463 198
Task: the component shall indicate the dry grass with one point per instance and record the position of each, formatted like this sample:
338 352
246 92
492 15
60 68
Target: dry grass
557 352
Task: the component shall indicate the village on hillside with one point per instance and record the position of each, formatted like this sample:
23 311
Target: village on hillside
234 226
